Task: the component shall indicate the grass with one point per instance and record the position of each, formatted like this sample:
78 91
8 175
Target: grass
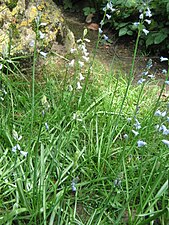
79 167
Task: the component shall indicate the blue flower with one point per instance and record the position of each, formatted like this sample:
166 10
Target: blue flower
141 143
166 142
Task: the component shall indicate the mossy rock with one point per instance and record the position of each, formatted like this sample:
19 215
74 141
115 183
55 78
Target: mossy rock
18 26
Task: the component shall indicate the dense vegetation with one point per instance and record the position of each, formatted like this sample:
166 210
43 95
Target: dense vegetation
80 144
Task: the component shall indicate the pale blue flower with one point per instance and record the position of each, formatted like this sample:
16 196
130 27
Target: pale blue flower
141 143
148 12
125 136
145 73
79 86
167 119
32 43
81 77
136 24
41 35
81 64
167 82
142 80
105 37
47 126
137 124
159 113
100 31
163 59
72 62
166 142
151 76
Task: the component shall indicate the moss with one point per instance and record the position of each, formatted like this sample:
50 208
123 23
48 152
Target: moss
11 4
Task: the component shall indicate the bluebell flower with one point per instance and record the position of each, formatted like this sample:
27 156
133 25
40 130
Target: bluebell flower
135 132
136 24
108 16
137 124
141 143
167 82
148 12
164 71
100 31
146 31
125 136
105 37
142 80
44 54
163 59
46 125
166 142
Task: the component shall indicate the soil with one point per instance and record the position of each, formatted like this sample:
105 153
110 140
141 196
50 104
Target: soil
119 53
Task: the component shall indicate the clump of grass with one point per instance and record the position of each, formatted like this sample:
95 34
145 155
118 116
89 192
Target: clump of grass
89 154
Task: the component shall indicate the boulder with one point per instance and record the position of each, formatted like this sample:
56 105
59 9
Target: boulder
19 20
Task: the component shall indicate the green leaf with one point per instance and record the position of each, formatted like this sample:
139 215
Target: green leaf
150 40
123 31
130 32
160 37
167 7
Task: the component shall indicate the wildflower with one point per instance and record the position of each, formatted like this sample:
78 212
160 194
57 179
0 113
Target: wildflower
81 64
1 66
151 76
167 119
101 22
24 153
159 113
125 136
117 182
79 86
129 119
85 58
43 24
87 40
105 37
166 142
142 80
135 132
72 62
141 143
70 88
148 21
73 184
136 24
164 71
146 31
14 148
32 43
141 16
81 77
79 40
167 82
100 31
163 59
148 12
44 54
41 35
73 50
108 16
145 73
46 125
137 124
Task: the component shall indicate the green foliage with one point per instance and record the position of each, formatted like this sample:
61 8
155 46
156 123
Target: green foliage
88 10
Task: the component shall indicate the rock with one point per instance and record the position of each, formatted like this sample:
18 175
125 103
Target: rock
18 27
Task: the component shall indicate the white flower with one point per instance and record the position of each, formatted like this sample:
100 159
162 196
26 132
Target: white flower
72 62
125 136
145 73
87 40
146 31
24 153
73 50
1 66
141 16
85 58
148 12
167 82
14 148
163 59
18 147
142 80
43 24
70 88
100 31
137 124
166 142
129 119
81 64
167 119
151 76
141 143
46 125
41 35
164 71
81 77
79 86
148 21
135 132
108 16
44 54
